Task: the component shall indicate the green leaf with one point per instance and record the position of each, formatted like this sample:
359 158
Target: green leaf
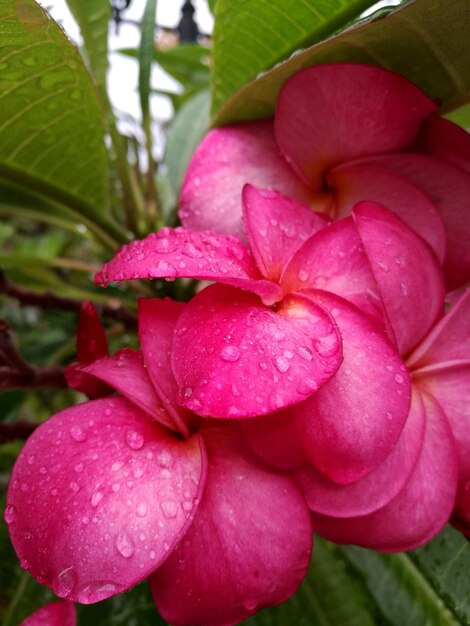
146 51
426 41
52 127
251 36
93 18
189 125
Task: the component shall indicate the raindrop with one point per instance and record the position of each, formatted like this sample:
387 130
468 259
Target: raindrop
399 379
192 251
164 459
169 508
96 591
165 245
281 363
152 554
117 466
125 545
65 583
230 353
10 513
74 486
79 467
134 439
31 459
305 353
303 276
107 412
326 346
96 498
141 509
77 433
250 605
187 506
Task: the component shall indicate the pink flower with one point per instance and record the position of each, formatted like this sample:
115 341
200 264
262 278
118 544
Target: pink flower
53 614
115 490
330 296
405 501
343 133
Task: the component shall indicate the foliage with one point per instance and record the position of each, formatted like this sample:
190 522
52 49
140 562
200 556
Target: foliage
70 194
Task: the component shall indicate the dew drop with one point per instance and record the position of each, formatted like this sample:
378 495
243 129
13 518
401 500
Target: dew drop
281 363
117 465
303 276
187 506
169 508
134 439
305 353
10 514
79 467
141 509
250 605
230 353
326 346
399 379
74 486
164 459
31 459
96 498
152 554
96 591
192 251
65 583
125 545
77 433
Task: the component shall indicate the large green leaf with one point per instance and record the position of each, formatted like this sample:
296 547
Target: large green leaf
250 36
147 46
52 127
427 41
93 18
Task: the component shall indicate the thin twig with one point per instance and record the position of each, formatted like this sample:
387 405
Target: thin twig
18 431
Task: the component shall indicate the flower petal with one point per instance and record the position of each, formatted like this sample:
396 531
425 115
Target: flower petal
248 548
234 357
226 159
334 260
377 488
126 372
275 440
336 112
355 182
448 341
60 613
420 510
157 320
449 189
276 226
447 141
98 498
406 271
352 423
178 252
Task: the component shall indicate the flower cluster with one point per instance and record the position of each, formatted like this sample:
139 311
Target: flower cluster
320 382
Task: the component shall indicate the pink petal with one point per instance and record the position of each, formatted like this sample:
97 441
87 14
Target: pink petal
274 439
420 510
60 613
91 337
276 226
450 386
234 357
352 423
448 341
157 320
449 189
89 385
178 252
333 259
99 497
336 112
126 372
248 548
377 488
446 140
406 271
368 181
461 513
227 159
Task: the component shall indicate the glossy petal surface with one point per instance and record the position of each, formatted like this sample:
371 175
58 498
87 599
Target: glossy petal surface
420 510
447 141
178 252
334 260
337 112
377 488
449 188
126 372
365 181
53 614
352 423
122 491
234 357
407 273
249 546
276 226
227 159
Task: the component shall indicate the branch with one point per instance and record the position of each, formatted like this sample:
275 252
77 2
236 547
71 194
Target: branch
49 300
18 430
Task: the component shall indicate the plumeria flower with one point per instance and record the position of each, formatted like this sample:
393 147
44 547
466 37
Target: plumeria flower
343 133
405 501
115 490
60 613
315 327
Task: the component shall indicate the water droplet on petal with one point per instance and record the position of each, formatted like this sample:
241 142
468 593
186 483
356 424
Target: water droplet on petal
326 346
303 276
96 591
164 459
10 514
141 509
125 545
305 353
230 353
65 582
74 486
250 605
96 498
77 433
281 363
134 439
169 508
399 379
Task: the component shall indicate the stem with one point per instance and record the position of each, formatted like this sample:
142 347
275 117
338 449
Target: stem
18 431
